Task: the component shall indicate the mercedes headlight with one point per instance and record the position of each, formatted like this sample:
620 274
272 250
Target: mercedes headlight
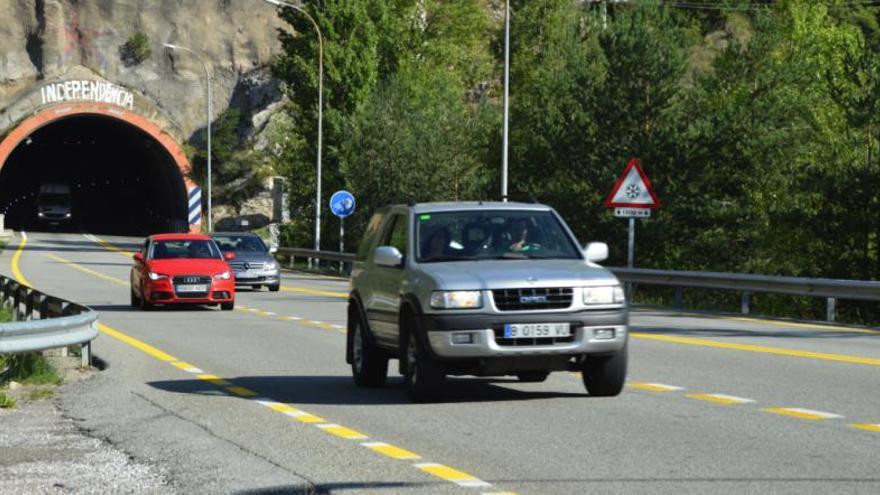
456 299
272 265
612 294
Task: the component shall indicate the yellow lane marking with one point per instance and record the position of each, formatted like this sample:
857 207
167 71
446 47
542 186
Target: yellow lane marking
304 417
749 319
187 367
216 380
449 474
83 269
841 358
242 391
15 259
137 344
108 246
313 292
343 432
867 426
654 387
391 451
802 413
721 399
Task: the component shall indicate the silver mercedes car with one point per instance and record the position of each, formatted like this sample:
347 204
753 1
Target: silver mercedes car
486 289
254 264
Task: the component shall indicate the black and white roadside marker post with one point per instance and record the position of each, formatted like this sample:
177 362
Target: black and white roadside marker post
632 197
342 204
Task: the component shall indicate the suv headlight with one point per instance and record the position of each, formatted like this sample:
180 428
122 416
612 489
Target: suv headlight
272 265
222 276
156 276
612 294
456 299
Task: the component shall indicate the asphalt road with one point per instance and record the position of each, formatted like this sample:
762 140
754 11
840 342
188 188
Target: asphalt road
260 400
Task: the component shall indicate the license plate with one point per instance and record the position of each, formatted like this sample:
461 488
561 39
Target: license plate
536 330
192 288
246 274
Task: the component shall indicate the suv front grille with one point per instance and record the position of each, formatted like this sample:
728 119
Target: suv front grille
532 298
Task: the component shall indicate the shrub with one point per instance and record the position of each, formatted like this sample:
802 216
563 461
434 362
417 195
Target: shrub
136 49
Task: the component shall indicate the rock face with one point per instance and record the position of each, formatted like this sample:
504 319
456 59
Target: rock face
52 40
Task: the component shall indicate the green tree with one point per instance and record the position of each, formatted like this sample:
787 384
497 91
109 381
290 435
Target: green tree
417 139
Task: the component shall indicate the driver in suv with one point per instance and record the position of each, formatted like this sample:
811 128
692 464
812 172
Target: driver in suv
486 289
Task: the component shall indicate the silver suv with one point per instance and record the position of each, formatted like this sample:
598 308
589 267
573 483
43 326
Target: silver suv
486 289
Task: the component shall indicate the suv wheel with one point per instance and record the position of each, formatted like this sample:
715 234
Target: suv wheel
422 377
604 376
532 376
275 288
369 366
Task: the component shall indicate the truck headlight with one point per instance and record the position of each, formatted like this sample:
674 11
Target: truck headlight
612 294
156 276
456 299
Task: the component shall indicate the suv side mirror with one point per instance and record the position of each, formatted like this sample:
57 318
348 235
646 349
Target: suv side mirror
597 251
273 249
388 256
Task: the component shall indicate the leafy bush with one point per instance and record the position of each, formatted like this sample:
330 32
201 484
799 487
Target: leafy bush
136 49
30 368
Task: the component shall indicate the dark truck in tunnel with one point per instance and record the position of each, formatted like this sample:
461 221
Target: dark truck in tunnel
54 204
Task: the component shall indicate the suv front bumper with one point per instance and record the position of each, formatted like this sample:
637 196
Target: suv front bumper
585 328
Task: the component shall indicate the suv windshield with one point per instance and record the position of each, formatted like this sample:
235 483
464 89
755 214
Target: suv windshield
487 234
163 250
241 243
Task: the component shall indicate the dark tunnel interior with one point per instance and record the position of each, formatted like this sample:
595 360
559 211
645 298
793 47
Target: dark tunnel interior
121 180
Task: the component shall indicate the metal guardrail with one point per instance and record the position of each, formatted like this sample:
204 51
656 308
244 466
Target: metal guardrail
747 284
42 322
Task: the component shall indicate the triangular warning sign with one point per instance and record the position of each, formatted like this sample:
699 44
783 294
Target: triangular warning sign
633 190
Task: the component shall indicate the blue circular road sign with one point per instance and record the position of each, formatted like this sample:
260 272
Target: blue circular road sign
342 204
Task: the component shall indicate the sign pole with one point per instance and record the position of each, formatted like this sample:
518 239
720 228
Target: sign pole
631 252
341 242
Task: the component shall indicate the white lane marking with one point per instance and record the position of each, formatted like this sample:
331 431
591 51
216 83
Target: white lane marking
656 387
810 412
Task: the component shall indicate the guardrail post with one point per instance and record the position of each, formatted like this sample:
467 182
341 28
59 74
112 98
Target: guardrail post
29 302
831 309
86 354
746 302
16 303
679 297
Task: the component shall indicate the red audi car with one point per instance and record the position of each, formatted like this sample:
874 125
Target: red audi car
182 269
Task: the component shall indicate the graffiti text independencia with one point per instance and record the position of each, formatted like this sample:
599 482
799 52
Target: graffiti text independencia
97 91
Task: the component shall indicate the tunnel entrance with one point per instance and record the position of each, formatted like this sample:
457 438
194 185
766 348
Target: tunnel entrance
122 179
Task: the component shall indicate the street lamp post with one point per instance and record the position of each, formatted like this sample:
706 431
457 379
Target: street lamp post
506 99
281 3
208 119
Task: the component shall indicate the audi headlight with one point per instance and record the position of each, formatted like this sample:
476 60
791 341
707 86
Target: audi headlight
222 276
156 276
612 294
456 299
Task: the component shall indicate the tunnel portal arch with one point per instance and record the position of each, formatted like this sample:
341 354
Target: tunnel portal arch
186 210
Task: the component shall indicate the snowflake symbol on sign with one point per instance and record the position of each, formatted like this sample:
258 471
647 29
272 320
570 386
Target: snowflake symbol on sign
633 191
